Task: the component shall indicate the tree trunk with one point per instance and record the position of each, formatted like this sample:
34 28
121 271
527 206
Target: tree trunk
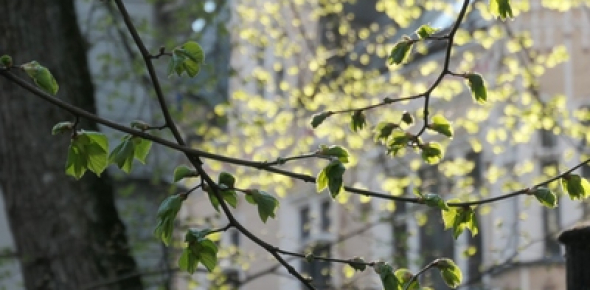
68 233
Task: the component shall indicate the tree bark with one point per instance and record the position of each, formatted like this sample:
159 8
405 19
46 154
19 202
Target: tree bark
68 233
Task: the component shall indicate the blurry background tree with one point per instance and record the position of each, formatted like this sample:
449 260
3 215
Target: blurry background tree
291 59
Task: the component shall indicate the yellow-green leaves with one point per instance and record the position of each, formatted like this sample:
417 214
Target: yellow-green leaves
166 215
383 130
267 204
398 141
478 87
501 8
226 183
319 118
400 52
450 272
434 200
388 278
41 76
545 196
199 250
432 152
331 177
575 186
404 276
459 219
441 125
187 58
131 147
6 60
334 151
184 171
425 31
357 121
87 151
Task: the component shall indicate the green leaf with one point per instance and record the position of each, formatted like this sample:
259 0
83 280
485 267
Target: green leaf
184 171
407 118
322 180
357 263
335 151
575 186
332 177
450 272
545 196
123 154
62 127
194 235
501 8
425 31
76 162
195 57
432 152
388 278
166 215
357 121
175 64
383 130
434 200
226 179
140 125
249 199
6 60
41 76
399 140
441 125
141 148
188 262
209 260
404 276
478 87
401 51
267 204
319 118
459 219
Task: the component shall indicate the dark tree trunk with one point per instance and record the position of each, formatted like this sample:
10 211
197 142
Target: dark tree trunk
68 233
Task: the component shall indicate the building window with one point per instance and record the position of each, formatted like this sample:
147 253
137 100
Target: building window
318 270
435 242
548 139
475 174
475 255
551 218
325 214
304 223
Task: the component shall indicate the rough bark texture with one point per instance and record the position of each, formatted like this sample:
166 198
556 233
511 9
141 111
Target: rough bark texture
68 233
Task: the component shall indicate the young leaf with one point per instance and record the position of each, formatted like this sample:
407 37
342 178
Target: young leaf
478 87
335 151
501 8
434 200
175 64
76 162
195 56
404 276
319 118
357 263
184 171
545 196
188 262
62 127
460 219
357 121
41 76
140 125
322 180
401 51
450 272
383 130
123 154
141 148
441 125
398 141
388 278
432 152
6 60
267 204
166 215
425 31
407 118
332 177
227 180
97 151
575 186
